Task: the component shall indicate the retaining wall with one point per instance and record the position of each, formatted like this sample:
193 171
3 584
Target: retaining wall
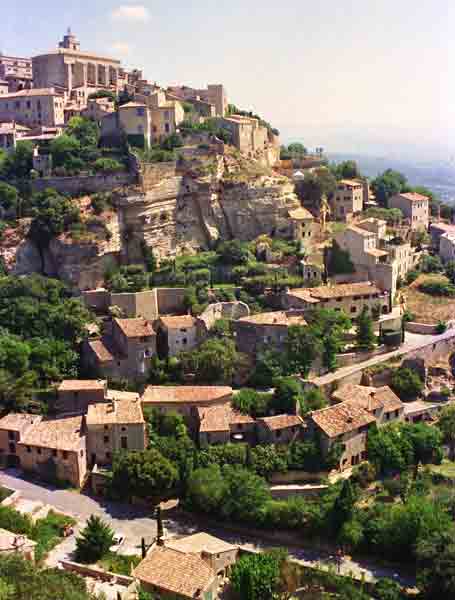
96 573
80 184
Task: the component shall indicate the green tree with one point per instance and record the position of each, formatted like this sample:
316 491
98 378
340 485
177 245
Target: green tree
246 495
14 354
366 338
206 489
313 399
287 396
387 589
251 402
63 149
406 383
302 348
270 364
19 163
436 564
343 509
52 215
107 165
388 184
234 252
339 260
430 264
142 474
257 576
84 130
94 540
347 169
446 424
214 361
351 535
315 185
9 197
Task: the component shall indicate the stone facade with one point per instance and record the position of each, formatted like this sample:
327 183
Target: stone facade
415 209
75 395
76 73
176 334
40 106
447 247
214 94
347 200
16 72
279 429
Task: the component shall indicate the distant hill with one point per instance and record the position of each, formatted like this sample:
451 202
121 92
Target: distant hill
438 176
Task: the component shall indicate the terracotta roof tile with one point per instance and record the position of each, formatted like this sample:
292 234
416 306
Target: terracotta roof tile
350 182
183 574
70 385
220 418
134 328
200 542
19 421
186 394
120 411
61 434
178 321
278 317
369 398
341 418
414 197
281 421
342 290
101 351
301 214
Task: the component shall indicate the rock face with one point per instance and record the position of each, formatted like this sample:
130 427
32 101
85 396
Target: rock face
191 210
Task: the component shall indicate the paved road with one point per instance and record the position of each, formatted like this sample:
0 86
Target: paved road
413 341
134 523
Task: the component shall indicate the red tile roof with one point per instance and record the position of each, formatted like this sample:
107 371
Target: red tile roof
281 421
186 394
176 322
70 385
414 197
279 317
341 418
61 434
220 418
134 328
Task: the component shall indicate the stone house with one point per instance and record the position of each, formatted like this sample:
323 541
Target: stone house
218 554
347 422
39 106
279 429
97 108
347 200
116 424
437 230
124 351
302 225
262 331
55 449
12 428
75 395
16 72
185 400
14 543
374 257
135 121
350 297
213 94
447 247
415 209
176 334
221 424
249 136
176 575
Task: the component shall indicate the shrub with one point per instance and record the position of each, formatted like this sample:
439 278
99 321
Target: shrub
437 288
406 383
107 165
94 541
441 327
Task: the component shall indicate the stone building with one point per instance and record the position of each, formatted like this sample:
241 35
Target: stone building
221 424
447 246
415 208
347 201
214 94
75 395
263 331
16 72
12 428
218 554
350 297
302 226
55 449
247 134
39 106
76 73
113 425
347 423
124 351
4 89
176 334
186 400
279 429
146 122
375 257
98 108
135 121
176 575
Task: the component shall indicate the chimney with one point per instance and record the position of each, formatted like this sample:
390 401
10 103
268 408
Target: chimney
370 406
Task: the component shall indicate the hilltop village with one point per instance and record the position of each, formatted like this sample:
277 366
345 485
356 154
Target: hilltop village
213 344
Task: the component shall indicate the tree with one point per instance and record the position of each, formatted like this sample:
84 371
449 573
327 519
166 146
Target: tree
315 185
257 576
19 163
387 185
63 149
339 260
142 474
436 564
269 366
426 442
365 335
302 348
251 402
287 396
52 215
343 508
94 541
206 489
246 494
213 361
388 449
313 399
406 383
450 270
348 169
9 197
430 264
85 131
351 535
234 252
446 424
107 165
387 589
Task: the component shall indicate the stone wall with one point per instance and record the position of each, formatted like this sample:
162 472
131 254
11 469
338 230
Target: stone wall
170 300
82 184
423 328
223 310
138 304
152 174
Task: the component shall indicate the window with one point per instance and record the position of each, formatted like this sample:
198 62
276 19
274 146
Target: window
105 428
28 104
106 439
65 454
17 104
166 127
12 448
124 442
39 450
278 433
123 428
140 111
29 449
54 452
82 453
11 435
108 456
353 309
184 341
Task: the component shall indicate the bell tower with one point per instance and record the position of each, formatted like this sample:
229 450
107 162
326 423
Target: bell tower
70 41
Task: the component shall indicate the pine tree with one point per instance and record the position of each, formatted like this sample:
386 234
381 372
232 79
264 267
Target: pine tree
365 335
94 541
343 507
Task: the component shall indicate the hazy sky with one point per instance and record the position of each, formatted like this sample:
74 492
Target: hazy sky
350 75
